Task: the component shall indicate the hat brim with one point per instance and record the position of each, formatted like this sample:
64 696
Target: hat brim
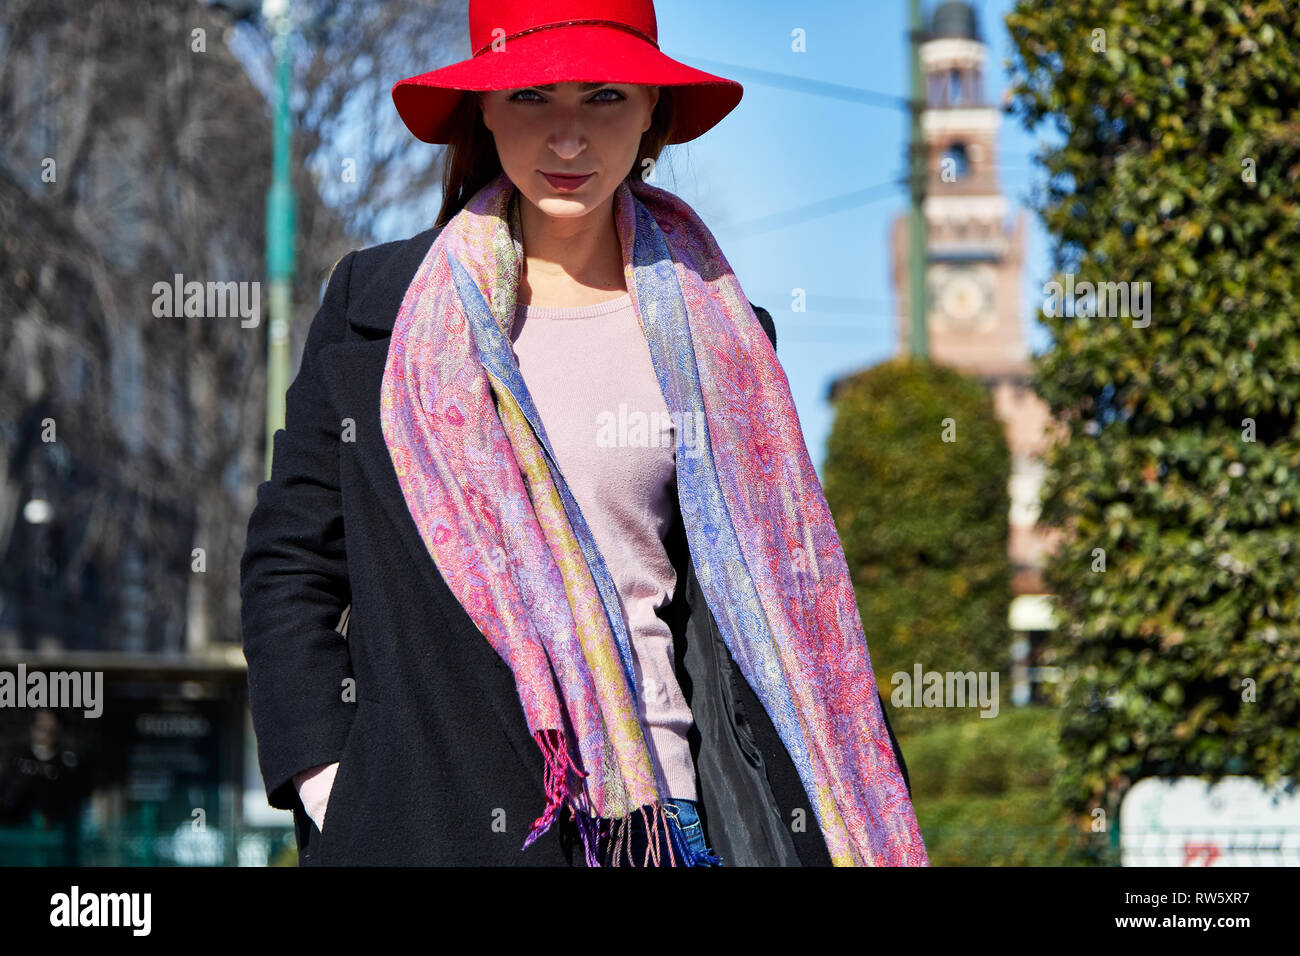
581 54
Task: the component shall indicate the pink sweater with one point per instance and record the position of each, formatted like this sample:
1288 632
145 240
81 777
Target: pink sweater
589 373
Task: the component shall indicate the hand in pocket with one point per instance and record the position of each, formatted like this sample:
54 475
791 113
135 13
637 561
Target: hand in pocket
314 788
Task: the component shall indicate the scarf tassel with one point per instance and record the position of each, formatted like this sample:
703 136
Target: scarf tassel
555 756
557 763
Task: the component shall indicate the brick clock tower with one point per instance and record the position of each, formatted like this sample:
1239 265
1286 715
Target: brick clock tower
973 279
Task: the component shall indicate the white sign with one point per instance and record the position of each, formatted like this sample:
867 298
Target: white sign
1186 821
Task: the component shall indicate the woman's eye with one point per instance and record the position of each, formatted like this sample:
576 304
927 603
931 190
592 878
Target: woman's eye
532 96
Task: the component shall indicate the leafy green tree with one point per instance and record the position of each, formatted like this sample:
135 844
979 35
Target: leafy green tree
916 477
1175 162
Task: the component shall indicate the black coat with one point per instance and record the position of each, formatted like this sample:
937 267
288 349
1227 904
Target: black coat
436 765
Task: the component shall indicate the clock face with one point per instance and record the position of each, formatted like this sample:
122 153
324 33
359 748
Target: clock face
962 296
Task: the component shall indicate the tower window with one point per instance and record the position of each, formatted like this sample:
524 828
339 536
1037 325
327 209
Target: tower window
955 163
955 92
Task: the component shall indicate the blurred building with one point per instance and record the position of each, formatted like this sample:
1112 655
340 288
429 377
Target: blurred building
975 246
124 485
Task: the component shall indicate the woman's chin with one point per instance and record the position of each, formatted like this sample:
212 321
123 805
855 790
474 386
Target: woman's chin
562 207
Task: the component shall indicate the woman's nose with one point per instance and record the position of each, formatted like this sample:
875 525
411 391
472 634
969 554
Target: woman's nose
567 143
568 135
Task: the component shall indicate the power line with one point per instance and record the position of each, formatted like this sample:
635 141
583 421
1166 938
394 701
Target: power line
800 84
815 210
826 207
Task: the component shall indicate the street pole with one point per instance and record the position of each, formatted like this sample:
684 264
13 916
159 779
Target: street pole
919 163
279 231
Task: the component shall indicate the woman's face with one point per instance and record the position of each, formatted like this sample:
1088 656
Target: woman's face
578 128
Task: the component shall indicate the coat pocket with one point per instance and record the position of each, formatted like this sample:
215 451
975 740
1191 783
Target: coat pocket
339 817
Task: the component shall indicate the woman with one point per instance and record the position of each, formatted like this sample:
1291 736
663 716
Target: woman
599 614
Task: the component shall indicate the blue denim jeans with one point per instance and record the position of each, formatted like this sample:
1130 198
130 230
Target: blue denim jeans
684 814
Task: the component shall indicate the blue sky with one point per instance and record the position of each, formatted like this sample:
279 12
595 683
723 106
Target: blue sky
782 150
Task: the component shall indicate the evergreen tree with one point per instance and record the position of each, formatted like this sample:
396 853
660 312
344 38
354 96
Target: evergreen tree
1174 165
916 477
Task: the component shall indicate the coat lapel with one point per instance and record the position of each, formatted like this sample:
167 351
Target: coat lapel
354 371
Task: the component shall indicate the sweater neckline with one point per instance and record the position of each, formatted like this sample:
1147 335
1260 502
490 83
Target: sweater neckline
575 311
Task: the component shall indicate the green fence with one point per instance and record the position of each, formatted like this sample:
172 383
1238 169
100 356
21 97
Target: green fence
947 846
136 845
1011 845
147 846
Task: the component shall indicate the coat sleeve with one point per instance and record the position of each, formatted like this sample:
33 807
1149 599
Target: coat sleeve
765 320
294 577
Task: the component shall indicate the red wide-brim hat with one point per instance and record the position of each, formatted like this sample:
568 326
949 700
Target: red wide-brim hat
519 43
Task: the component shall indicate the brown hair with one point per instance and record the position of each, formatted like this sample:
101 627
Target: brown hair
470 160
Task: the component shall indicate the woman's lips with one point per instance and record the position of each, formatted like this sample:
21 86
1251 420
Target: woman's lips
566 183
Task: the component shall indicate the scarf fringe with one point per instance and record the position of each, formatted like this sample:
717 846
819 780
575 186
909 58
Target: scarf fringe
555 756
606 839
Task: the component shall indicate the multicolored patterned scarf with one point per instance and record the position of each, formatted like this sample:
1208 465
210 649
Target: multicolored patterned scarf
480 479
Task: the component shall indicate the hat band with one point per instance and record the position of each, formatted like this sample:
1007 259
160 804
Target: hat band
567 23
